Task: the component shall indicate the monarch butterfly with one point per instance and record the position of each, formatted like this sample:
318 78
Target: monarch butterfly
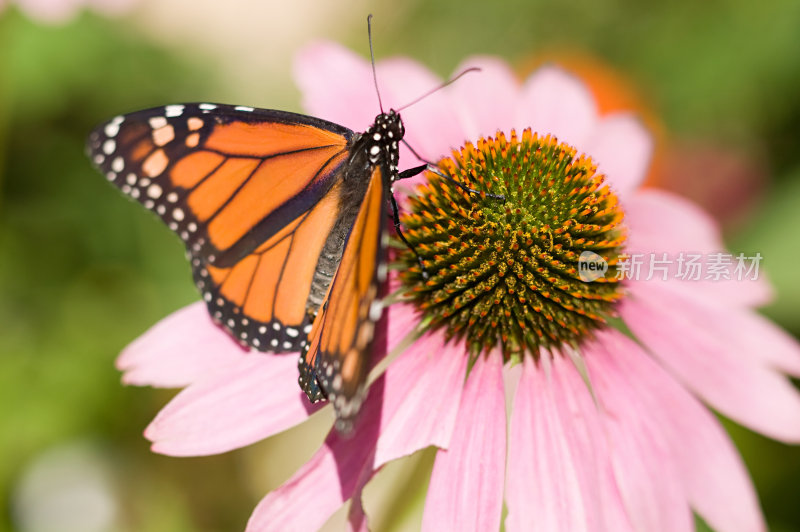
284 220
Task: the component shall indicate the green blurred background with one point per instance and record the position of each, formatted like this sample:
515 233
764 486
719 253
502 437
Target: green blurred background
83 272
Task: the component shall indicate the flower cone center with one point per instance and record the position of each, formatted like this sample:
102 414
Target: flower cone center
535 267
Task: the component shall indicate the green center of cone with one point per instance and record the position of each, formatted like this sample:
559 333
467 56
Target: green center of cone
533 269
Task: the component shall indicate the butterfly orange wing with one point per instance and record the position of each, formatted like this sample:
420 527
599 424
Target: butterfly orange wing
254 195
337 357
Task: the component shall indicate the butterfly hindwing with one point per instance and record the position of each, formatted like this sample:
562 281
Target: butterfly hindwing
337 357
254 195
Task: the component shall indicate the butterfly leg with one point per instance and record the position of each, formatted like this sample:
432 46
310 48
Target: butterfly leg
435 169
411 172
466 189
398 228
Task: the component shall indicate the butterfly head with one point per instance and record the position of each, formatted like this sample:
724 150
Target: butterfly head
392 124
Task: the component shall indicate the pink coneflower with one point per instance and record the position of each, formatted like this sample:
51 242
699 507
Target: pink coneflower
605 432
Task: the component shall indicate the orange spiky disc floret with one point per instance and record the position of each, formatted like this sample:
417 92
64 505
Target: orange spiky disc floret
507 272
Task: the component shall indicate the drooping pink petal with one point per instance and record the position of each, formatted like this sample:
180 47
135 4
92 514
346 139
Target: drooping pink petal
466 487
712 473
421 398
689 227
495 83
557 103
336 472
590 444
240 404
714 359
178 350
643 464
689 231
622 148
402 319
769 343
738 330
552 481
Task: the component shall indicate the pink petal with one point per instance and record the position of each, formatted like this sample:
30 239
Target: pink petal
577 407
402 319
711 471
740 330
622 148
714 358
336 472
643 464
771 344
555 102
336 85
178 350
423 389
661 222
432 125
495 83
466 488
240 404
552 481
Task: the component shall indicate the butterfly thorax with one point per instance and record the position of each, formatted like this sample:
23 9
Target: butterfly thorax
379 143
376 147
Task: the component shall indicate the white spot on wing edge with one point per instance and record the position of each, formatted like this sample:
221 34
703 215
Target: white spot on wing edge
244 108
112 128
375 310
173 110
118 164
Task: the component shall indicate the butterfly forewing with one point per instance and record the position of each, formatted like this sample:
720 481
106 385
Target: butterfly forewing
252 193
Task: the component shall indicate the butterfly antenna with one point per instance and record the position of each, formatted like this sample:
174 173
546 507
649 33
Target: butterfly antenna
372 60
440 87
